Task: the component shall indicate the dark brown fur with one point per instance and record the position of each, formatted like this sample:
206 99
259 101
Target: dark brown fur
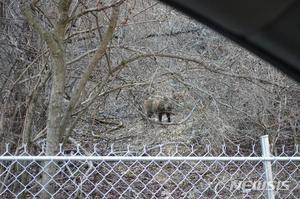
158 105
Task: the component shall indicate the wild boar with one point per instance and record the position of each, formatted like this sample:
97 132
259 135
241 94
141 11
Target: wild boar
158 105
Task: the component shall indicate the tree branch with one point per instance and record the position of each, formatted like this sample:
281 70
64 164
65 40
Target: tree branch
86 74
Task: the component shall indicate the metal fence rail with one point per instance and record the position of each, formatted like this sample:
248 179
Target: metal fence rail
159 172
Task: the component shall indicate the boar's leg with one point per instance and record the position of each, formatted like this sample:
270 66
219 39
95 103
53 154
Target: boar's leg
160 116
149 114
169 117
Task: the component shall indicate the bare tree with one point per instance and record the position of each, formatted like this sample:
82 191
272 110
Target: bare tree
79 71
58 118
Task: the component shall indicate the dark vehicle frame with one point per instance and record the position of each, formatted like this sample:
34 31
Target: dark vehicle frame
268 28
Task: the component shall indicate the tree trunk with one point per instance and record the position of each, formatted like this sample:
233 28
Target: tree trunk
58 118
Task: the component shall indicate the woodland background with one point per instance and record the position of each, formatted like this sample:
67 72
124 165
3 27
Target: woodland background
77 72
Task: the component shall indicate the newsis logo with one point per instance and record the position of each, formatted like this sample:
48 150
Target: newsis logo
254 185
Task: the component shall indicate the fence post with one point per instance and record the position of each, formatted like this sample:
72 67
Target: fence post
265 148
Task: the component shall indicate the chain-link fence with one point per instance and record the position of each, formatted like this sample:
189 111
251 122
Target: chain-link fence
161 171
